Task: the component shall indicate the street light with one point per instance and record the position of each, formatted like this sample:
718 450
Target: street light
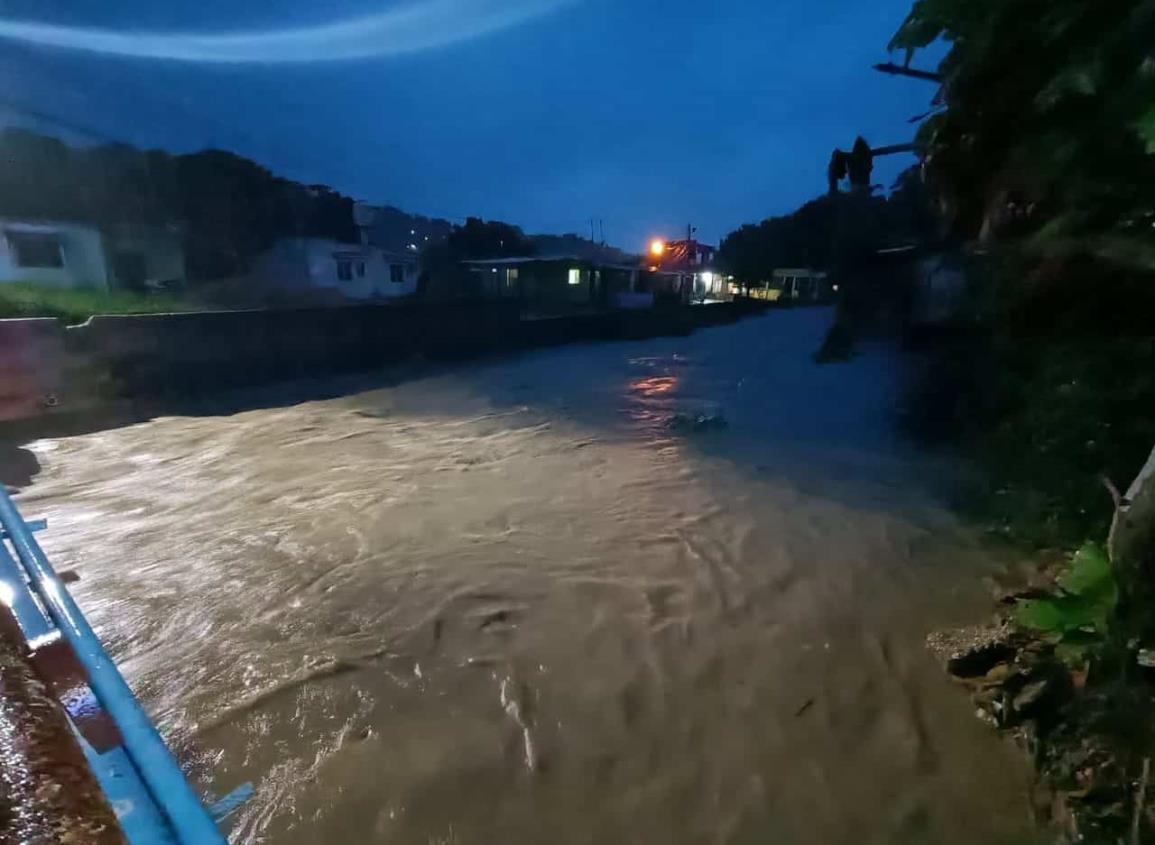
657 247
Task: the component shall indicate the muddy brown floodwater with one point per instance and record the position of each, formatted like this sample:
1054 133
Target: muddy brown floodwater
512 602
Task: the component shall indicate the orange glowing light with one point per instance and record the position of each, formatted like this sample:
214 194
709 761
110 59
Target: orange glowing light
655 386
657 247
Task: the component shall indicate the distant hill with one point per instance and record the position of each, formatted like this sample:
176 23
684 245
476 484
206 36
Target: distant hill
228 208
399 231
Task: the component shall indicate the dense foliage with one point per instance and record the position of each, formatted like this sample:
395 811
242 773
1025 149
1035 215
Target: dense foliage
1041 157
802 239
444 276
1047 126
228 207
828 232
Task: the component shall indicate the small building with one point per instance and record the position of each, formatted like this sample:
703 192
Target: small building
309 267
802 285
73 254
693 263
553 284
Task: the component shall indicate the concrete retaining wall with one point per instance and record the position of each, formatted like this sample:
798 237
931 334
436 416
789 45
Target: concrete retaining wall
158 354
147 356
32 364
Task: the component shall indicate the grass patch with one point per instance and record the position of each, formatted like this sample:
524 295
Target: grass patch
75 305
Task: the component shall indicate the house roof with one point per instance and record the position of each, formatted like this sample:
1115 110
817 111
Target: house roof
783 272
49 224
527 259
351 250
530 259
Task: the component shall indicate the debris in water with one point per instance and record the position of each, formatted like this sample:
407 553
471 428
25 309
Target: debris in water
513 696
696 423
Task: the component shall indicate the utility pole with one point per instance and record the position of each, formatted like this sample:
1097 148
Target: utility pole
859 163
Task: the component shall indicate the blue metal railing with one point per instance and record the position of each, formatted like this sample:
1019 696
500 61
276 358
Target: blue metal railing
147 753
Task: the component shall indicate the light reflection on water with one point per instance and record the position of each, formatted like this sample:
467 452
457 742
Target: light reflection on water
506 602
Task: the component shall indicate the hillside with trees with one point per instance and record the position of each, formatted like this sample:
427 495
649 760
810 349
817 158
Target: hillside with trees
1039 159
821 234
228 208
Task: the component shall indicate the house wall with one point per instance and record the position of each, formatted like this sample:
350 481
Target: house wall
390 289
543 285
546 285
322 267
300 265
83 251
161 250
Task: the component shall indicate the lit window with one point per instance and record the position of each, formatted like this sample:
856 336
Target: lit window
34 249
575 276
511 276
345 271
397 274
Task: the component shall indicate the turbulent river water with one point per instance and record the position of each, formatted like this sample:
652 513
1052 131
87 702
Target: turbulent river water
665 591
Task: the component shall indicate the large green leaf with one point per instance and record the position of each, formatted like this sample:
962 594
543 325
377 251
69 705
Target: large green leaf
1041 615
1090 572
1085 601
1066 614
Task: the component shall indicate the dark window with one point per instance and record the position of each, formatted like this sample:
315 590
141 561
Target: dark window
34 249
397 273
345 271
360 269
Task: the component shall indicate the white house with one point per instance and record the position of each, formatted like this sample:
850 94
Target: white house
352 271
65 254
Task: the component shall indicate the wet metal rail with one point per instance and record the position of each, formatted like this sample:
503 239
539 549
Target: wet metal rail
145 787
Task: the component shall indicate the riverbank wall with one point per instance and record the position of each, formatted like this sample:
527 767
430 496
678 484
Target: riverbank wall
47 368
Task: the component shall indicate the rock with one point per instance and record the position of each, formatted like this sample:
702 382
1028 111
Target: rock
1041 693
1030 698
974 651
989 706
997 676
696 423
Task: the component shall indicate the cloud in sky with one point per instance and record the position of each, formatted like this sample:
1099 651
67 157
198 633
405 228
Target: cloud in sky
414 26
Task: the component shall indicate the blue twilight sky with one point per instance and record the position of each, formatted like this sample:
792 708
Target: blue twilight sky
648 114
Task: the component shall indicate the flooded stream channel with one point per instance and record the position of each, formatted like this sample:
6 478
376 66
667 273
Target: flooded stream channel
664 591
